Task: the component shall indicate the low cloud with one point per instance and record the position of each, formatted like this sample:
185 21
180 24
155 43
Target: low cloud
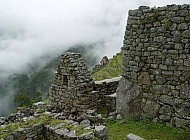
32 29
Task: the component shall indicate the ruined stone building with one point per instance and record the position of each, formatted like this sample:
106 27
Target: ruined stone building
73 91
104 61
72 85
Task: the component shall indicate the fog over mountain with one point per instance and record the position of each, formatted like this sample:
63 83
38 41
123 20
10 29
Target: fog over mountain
30 29
35 31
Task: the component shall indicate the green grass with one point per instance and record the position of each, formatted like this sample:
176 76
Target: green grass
103 111
119 59
111 70
112 62
145 129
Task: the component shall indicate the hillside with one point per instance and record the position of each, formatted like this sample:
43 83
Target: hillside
111 70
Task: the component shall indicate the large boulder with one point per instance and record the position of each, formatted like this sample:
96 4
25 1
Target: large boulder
128 99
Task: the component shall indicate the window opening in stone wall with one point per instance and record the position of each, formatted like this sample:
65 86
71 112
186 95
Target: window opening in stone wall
65 80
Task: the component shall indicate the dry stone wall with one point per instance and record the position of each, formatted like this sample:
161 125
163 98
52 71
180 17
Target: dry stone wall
156 65
73 90
72 86
106 93
33 133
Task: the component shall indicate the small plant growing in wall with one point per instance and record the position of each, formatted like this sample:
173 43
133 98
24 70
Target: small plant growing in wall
152 17
166 23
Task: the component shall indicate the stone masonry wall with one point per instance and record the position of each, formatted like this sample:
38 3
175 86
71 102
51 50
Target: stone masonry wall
106 90
156 65
73 90
72 86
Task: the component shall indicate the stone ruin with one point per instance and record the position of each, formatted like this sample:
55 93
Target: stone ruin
104 61
71 107
72 86
73 91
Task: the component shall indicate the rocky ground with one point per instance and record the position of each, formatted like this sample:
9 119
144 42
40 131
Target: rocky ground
39 123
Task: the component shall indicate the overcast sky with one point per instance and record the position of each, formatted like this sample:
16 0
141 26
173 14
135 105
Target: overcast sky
30 29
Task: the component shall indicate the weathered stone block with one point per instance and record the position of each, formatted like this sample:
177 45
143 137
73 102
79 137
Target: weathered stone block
182 123
185 91
151 109
166 99
186 34
144 79
101 132
128 99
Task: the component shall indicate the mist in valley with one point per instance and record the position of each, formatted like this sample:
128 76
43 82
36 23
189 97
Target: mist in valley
33 33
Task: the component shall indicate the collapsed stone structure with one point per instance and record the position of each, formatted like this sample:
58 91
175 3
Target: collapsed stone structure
155 80
38 124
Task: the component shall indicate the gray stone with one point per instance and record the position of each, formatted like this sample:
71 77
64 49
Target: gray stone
182 108
182 123
151 109
73 109
71 134
90 112
60 132
176 19
182 26
101 132
166 99
111 117
119 117
185 92
85 123
10 137
132 136
20 129
113 113
187 62
128 99
165 110
163 67
160 79
165 118
144 79
132 12
186 34
86 136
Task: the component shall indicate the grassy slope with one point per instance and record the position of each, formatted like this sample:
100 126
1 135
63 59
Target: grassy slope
112 70
145 129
